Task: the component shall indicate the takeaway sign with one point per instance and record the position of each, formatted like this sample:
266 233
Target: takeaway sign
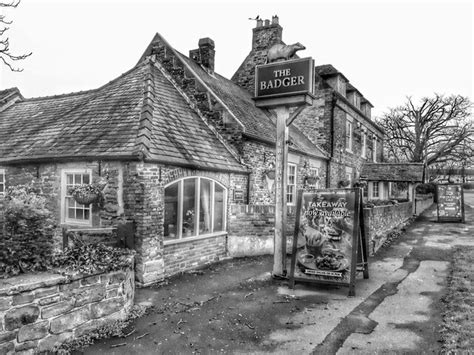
290 77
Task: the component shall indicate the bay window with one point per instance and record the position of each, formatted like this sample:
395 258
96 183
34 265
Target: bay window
194 207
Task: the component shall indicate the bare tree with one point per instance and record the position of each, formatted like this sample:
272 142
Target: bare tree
438 130
5 55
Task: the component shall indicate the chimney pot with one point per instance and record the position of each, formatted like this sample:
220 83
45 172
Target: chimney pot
206 53
259 22
267 22
275 20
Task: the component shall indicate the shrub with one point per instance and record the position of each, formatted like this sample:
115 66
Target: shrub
27 243
468 185
93 258
423 189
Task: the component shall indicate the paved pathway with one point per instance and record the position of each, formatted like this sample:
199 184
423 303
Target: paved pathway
235 307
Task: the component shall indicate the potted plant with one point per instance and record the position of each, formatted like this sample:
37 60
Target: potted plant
188 222
344 183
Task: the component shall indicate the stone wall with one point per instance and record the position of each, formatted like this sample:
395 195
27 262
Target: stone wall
251 229
422 203
40 311
381 219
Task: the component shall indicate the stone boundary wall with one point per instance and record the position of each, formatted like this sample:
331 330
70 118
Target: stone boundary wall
379 220
40 311
251 229
422 203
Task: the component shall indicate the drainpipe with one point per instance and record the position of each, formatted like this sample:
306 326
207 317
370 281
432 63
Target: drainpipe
331 139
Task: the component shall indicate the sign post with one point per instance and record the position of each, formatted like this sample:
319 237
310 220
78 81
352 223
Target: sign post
281 86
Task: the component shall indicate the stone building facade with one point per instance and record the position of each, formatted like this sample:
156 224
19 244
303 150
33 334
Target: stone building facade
187 156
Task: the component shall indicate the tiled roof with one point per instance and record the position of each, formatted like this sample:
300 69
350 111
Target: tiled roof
258 123
408 172
106 122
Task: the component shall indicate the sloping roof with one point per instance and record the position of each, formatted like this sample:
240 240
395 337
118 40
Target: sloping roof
408 172
328 70
258 123
108 123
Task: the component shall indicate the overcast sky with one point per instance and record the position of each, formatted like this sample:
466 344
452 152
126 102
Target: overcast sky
387 49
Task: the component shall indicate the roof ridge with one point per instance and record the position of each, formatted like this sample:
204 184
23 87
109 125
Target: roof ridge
83 92
145 125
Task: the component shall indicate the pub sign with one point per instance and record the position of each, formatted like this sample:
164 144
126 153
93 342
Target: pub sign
290 77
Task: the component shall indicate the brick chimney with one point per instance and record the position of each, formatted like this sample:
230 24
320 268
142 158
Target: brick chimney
204 54
265 35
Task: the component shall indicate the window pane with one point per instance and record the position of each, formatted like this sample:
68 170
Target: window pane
77 179
205 207
70 179
86 214
218 208
85 179
189 197
171 211
1 177
71 213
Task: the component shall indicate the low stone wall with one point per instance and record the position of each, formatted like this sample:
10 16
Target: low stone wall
251 229
422 203
192 254
40 311
381 219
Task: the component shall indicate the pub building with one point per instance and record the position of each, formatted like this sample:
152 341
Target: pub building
187 156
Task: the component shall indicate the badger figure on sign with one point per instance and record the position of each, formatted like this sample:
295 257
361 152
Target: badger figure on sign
282 51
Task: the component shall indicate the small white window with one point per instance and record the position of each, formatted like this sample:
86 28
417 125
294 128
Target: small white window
74 212
375 150
2 182
364 144
291 187
349 174
349 136
314 172
375 189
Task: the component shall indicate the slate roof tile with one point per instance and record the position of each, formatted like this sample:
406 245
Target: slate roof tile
408 172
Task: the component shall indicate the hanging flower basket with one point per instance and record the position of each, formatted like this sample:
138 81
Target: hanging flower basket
311 180
344 183
86 194
270 174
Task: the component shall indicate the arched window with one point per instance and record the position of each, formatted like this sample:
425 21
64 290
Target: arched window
194 206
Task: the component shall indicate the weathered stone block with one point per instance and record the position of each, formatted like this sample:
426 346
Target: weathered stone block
57 309
113 292
22 298
7 336
6 348
17 317
106 307
33 331
70 320
89 295
70 286
29 345
43 292
117 277
5 302
90 280
52 340
48 300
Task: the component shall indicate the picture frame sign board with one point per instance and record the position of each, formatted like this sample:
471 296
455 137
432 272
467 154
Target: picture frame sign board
330 225
450 206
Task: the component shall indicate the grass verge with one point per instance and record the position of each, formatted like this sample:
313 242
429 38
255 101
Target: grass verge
458 319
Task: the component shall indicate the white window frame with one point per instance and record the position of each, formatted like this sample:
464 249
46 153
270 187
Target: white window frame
349 172
2 183
179 227
364 144
374 150
314 171
291 193
350 134
375 190
64 195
